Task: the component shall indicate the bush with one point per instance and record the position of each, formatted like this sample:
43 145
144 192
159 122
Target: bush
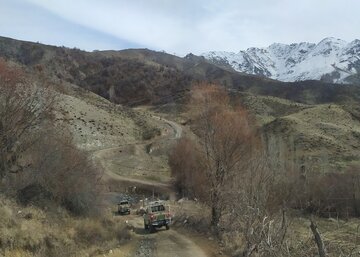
150 133
186 168
37 159
29 231
333 194
67 174
33 194
92 231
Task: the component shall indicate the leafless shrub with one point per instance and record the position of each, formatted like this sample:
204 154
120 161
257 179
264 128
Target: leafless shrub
46 235
35 154
193 215
328 194
24 105
253 214
67 173
189 174
99 232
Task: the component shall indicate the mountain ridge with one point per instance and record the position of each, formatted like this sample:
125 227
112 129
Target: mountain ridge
142 77
331 60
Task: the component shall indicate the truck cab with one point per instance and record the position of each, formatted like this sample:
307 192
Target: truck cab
124 207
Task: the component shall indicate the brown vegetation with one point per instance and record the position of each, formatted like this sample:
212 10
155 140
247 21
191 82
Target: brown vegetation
67 174
45 181
226 142
226 167
37 162
227 154
24 106
27 231
332 195
142 76
190 180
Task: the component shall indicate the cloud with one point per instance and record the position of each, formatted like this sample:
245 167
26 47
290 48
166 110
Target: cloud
198 26
26 21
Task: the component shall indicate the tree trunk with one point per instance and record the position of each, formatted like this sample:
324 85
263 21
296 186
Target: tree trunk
318 240
215 212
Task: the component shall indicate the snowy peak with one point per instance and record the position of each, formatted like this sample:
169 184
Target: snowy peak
332 60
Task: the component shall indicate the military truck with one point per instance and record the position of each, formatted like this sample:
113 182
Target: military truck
156 216
123 207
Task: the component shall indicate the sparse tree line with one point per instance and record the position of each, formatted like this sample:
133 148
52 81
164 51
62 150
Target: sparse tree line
225 165
38 161
311 185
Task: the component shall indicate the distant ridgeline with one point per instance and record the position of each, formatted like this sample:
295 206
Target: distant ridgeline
332 60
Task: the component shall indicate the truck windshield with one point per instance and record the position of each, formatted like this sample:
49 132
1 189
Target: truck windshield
157 208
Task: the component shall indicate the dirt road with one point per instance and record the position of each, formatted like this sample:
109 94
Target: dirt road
168 243
122 164
162 243
144 163
177 129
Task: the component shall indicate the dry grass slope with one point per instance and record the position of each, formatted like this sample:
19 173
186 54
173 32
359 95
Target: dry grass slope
325 137
30 232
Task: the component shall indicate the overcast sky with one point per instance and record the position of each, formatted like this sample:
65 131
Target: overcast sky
178 26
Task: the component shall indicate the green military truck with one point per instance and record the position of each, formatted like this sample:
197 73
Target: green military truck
156 216
123 207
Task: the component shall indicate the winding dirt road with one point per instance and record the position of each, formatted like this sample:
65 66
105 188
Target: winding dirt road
138 156
163 243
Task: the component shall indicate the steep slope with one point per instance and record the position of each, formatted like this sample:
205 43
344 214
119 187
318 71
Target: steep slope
97 123
331 60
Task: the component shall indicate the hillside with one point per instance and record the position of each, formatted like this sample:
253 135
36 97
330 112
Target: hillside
143 77
140 76
319 136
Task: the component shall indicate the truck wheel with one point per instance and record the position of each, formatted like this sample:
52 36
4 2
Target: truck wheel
167 227
152 229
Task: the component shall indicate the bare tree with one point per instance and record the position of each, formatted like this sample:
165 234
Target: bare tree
239 182
24 105
226 141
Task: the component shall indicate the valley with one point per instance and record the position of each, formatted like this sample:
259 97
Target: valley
127 111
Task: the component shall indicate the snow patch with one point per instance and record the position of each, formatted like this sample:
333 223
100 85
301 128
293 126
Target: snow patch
296 62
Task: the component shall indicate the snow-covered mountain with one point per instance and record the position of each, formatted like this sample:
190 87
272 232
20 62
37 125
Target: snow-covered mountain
331 60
